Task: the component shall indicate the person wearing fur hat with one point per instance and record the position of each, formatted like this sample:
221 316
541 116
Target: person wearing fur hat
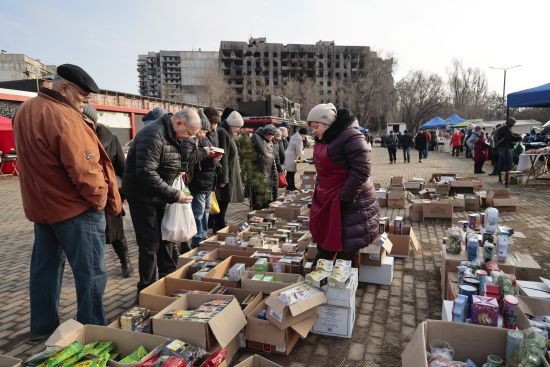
230 187
344 211
262 142
114 230
202 183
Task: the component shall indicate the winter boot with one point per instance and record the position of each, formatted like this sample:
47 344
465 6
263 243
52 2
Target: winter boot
121 249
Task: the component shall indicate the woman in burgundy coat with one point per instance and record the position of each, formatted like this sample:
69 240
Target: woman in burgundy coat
481 153
344 211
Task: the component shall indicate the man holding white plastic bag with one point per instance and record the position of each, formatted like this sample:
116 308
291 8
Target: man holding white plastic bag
154 162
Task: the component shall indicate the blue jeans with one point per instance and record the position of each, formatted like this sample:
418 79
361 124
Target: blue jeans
407 154
79 239
201 211
425 152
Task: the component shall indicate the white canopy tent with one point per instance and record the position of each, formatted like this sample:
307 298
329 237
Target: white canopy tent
521 126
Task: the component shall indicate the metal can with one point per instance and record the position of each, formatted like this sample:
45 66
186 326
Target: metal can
488 249
472 221
510 312
468 291
482 219
461 270
513 340
481 275
472 247
474 282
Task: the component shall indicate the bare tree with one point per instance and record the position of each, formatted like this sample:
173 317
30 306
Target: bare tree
305 92
467 87
215 91
420 97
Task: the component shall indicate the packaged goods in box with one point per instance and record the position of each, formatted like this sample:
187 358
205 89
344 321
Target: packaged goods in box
344 297
446 177
248 299
218 327
268 282
531 308
380 274
257 361
308 184
375 253
397 180
224 274
335 321
472 202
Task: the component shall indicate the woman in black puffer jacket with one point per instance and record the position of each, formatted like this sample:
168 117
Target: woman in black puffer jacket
344 212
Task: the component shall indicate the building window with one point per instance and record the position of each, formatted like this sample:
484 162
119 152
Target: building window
266 54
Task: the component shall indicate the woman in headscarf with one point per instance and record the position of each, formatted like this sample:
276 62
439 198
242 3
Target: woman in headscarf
262 142
344 211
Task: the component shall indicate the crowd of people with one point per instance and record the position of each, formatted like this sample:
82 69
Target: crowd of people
75 179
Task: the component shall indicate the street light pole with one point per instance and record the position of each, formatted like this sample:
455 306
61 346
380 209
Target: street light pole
504 84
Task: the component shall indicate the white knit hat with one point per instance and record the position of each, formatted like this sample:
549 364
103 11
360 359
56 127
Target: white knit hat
284 131
235 119
324 113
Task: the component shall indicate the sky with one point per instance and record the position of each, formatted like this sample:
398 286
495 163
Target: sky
105 37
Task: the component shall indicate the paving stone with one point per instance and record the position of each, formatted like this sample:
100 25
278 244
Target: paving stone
356 351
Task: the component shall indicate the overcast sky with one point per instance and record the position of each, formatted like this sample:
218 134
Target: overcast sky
106 36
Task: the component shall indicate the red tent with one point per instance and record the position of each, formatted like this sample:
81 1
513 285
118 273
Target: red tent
7 142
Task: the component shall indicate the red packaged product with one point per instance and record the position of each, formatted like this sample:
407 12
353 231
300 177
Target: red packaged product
164 361
216 358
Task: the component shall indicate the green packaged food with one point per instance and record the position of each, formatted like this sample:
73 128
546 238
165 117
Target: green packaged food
87 363
89 347
102 347
103 359
64 354
135 356
114 356
38 358
72 360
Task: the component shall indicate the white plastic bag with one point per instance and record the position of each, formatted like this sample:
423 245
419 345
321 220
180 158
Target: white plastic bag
178 223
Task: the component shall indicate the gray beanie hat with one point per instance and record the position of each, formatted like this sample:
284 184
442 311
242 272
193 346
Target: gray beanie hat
205 124
270 130
90 112
235 119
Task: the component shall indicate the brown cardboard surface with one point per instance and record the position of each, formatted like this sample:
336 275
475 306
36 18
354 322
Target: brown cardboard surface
257 361
501 200
459 205
126 341
375 253
402 243
397 180
397 203
415 210
216 274
6 361
229 231
281 281
533 307
472 202
241 294
182 272
263 213
294 313
437 210
222 253
395 194
222 328
436 177
526 267
383 202
157 295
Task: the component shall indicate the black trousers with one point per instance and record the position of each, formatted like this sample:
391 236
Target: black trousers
218 220
154 254
291 184
456 150
393 154
478 167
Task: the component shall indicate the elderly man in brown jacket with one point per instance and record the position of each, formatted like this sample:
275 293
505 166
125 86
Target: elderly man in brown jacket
67 182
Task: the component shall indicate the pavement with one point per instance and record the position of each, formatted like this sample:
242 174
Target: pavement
386 315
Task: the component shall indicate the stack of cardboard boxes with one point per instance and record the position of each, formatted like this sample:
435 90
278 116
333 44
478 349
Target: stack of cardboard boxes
376 266
309 180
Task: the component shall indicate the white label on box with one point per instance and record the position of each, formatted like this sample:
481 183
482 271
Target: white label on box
335 320
276 315
280 349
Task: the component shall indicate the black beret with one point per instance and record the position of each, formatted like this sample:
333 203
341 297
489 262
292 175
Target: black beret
77 75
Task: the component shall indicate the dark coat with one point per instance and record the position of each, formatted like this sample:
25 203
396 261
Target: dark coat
504 138
407 141
421 141
203 178
282 145
233 191
347 147
154 161
391 141
114 230
266 161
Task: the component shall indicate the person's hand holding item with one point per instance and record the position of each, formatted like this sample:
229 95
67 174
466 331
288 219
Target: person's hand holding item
185 199
217 158
210 152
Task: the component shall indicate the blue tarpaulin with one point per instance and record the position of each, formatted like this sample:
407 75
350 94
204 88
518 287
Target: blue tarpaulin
433 123
454 119
534 97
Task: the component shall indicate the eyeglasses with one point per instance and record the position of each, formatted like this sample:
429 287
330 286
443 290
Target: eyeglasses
84 96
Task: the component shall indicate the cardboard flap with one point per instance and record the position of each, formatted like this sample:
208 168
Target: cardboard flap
304 327
303 306
414 240
6 361
226 328
65 333
410 356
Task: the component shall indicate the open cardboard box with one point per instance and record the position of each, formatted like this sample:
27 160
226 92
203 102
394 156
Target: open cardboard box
397 180
257 361
222 253
229 231
437 177
438 210
526 267
158 295
375 253
262 213
402 243
192 255
468 340
532 307
344 297
241 294
501 200
6 361
281 280
264 336
182 272
284 316
217 274
125 341
221 329
415 209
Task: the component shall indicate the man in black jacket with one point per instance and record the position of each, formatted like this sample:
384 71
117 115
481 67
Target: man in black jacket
159 153
407 143
421 143
504 140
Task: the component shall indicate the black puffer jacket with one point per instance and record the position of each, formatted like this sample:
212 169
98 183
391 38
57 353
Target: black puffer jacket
203 176
153 162
265 151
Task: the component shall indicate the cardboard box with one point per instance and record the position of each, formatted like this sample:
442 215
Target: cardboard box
241 294
472 202
414 186
501 200
126 341
397 180
381 193
229 231
344 297
187 257
263 213
437 177
534 289
6 361
335 321
440 211
402 243
182 272
533 307
309 175
526 267
382 202
377 274
442 188
284 316
375 253
459 204
308 184
415 210
288 211
264 336
281 280
257 361
462 187
217 274
468 340
220 330
397 203
157 295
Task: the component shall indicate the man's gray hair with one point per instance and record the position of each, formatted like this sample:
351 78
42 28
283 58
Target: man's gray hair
57 80
190 116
